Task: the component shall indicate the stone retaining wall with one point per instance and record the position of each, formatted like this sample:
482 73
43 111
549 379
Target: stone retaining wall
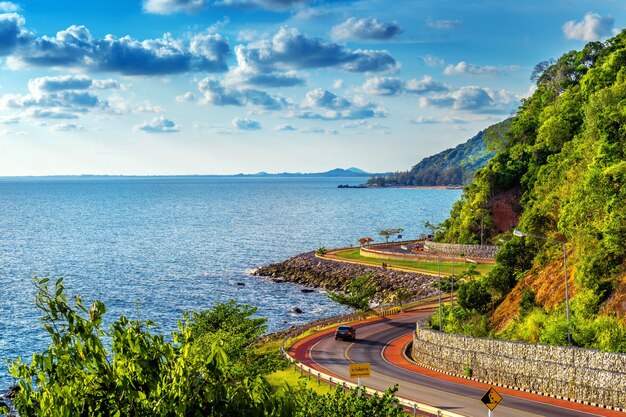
581 374
470 251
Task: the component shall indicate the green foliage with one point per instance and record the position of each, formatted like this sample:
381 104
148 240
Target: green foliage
561 162
351 404
402 295
321 251
141 374
460 320
474 296
232 326
528 302
359 295
470 273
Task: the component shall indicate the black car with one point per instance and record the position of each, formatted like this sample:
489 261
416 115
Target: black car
345 333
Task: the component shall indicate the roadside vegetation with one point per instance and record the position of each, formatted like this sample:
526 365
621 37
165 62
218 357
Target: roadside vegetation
213 365
559 174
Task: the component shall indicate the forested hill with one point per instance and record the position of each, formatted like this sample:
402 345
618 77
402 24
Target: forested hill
559 176
454 166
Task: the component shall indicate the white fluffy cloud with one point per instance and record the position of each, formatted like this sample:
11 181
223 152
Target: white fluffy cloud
463 68
367 28
216 93
389 86
187 97
245 124
195 6
592 28
433 61
473 99
285 128
75 48
319 104
157 125
59 97
325 99
8 7
289 49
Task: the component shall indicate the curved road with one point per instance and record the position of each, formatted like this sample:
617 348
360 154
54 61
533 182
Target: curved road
457 395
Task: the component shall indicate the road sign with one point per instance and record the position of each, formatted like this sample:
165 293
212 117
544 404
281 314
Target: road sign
491 399
359 370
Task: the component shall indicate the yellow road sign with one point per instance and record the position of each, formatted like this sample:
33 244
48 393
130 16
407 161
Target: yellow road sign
491 399
359 370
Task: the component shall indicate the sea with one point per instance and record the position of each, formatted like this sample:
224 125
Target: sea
152 248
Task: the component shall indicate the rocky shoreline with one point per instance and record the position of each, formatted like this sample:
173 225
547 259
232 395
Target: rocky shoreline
308 270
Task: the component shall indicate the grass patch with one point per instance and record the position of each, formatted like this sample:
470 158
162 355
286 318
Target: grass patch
288 376
417 266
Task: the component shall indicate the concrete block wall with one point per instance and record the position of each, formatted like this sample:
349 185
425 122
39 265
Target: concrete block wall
581 374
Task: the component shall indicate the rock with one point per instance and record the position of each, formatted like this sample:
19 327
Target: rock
241 284
296 310
307 270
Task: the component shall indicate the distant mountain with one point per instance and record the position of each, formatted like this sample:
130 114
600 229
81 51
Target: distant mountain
452 167
337 172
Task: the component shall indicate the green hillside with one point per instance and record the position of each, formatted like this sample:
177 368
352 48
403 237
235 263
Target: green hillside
454 166
558 173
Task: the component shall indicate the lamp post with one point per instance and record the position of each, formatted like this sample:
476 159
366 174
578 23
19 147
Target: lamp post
432 215
439 275
519 233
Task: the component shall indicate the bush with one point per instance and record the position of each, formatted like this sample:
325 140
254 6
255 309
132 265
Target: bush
473 295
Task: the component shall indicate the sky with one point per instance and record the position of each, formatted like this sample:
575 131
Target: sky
177 87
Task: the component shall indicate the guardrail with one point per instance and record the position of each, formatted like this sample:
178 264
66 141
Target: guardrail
417 408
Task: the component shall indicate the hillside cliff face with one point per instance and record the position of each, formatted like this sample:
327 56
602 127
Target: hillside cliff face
559 174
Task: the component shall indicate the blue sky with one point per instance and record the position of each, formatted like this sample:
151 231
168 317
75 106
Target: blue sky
228 86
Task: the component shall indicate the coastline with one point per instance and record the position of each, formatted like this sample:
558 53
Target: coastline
426 187
308 270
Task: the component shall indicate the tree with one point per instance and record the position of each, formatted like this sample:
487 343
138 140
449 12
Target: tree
321 251
469 274
365 240
402 295
474 296
387 233
359 295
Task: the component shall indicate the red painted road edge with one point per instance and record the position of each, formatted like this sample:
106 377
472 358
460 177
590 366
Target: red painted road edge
394 353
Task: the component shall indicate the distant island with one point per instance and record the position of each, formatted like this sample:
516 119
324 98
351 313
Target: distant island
337 172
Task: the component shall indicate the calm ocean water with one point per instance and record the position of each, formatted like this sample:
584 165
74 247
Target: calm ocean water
152 248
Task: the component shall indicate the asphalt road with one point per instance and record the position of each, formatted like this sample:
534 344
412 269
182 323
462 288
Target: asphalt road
334 356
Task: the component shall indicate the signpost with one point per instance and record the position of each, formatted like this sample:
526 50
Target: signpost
491 399
358 371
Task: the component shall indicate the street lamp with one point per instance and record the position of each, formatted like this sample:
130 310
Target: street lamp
439 275
519 233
